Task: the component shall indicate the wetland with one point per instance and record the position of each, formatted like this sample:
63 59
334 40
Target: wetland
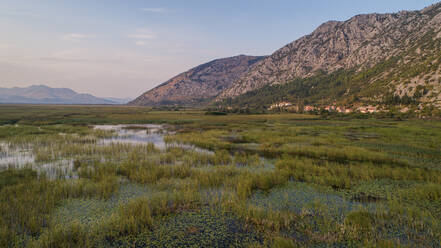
106 176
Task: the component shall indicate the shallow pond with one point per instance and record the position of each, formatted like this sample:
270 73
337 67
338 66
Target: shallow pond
19 158
143 134
139 134
134 134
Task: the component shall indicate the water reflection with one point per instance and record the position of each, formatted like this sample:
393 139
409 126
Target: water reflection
15 156
20 158
143 135
134 134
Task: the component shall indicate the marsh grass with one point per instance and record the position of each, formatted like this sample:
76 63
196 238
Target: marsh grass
265 181
12 177
26 207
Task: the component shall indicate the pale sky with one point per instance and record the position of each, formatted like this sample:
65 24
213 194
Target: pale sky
121 48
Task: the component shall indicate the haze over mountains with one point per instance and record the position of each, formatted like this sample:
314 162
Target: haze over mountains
374 59
41 94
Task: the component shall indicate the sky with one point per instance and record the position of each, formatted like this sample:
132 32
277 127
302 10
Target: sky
122 48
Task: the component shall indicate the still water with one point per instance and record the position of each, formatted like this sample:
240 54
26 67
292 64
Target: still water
23 157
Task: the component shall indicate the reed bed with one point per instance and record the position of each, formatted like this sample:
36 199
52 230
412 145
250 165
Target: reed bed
265 181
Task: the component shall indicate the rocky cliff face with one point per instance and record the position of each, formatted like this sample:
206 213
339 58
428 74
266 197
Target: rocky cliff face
199 84
356 44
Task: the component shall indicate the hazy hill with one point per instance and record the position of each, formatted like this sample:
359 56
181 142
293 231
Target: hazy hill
40 94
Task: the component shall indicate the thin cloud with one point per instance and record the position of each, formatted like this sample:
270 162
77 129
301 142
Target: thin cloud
141 36
140 43
74 55
146 36
155 10
21 14
74 37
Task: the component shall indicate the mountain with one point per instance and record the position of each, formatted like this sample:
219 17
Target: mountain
200 84
40 94
368 59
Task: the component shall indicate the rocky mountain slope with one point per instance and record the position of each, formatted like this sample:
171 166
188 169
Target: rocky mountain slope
41 94
373 57
200 84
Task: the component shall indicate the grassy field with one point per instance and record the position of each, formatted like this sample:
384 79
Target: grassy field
281 180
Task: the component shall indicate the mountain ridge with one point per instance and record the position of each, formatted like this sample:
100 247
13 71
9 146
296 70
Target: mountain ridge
384 60
357 45
198 85
42 94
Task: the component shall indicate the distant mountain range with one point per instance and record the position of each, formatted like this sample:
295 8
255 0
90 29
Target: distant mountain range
379 60
41 94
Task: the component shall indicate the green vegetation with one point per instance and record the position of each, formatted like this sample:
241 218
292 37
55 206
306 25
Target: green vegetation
281 180
374 85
